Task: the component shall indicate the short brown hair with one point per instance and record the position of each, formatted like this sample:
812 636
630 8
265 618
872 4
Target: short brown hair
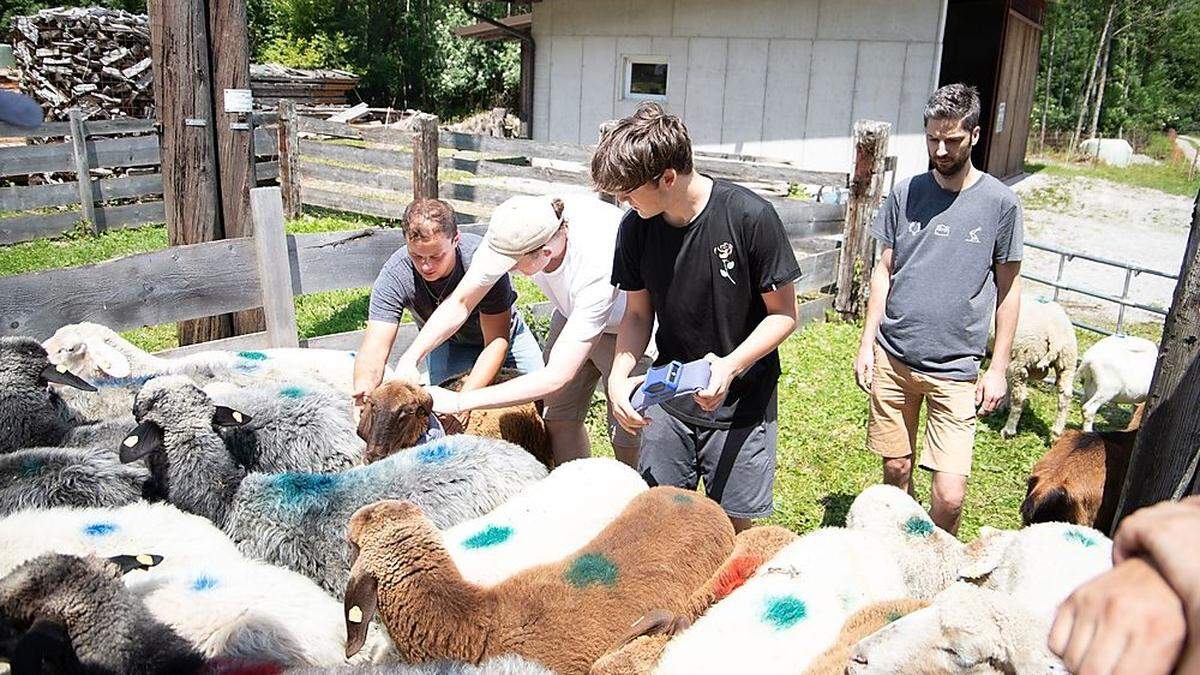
639 149
956 101
427 218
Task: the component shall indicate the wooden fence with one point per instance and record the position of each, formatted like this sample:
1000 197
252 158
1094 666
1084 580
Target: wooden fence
77 148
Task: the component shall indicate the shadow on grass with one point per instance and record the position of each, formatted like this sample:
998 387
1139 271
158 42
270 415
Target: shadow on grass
347 318
836 504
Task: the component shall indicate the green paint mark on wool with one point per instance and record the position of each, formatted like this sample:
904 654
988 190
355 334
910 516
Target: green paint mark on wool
894 615
252 356
683 499
489 536
293 392
591 569
918 527
784 611
1077 536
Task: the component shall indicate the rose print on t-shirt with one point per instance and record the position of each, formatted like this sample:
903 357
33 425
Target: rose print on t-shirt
724 253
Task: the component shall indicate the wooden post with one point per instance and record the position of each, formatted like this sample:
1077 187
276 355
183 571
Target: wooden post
274 270
1167 451
229 54
497 121
866 190
289 158
425 156
183 101
87 199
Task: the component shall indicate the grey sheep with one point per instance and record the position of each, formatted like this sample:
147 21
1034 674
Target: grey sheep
64 613
31 414
298 520
47 477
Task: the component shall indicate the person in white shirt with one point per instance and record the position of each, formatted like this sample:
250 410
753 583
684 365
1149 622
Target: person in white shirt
565 245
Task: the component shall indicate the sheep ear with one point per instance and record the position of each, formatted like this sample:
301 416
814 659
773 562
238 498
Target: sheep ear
60 375
143 440
228 417
654 622
129 563
108 359
46 642
984 554
366 420
360 607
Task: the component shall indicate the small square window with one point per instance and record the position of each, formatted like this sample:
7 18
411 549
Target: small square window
646 77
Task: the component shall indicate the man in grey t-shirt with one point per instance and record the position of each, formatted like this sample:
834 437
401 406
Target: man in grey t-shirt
952 241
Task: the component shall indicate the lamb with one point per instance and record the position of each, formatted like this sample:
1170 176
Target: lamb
45 477
547 521
33 415
862 623
1079 480
1117 368
297 520
928 556
396 414
74 613
224 605
1037 566
1045 341
94 351
564 615
791 610
966 630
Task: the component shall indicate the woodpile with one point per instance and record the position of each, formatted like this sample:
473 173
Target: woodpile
271 82
92 58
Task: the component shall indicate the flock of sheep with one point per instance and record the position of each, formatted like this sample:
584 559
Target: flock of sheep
222 513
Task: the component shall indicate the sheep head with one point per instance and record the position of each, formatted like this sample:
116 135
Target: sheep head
173 402
53 606
394 416
23 361
86 349
965 630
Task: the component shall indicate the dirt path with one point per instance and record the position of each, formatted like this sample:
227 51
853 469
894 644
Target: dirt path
1136 225
1189 146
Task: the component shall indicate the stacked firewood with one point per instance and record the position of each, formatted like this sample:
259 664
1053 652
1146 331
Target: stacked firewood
91 58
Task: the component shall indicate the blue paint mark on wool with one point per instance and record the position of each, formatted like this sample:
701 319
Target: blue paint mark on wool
246 367
30 467
293 392
434 453
204 583
918 527
784 611
683 499
99 529
252 356
491 535
300 488
114 382
1079 537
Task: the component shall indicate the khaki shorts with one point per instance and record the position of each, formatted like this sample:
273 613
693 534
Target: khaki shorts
572 401
896 395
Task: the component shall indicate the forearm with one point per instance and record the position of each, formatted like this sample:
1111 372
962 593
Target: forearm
369 365
523 389
442 324
881 284
632 339
768 335
488 363
1007 310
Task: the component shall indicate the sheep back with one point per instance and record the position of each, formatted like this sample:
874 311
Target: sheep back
46 477
1079 479
298 520
862 623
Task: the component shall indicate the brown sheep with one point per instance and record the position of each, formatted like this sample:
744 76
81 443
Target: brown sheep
396 414
638 652
862 623
564 615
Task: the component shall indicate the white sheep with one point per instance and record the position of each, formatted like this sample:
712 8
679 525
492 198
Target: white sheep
966 630
1117 368
96 352
224 604
792 609
546 521
1045 342
1037 566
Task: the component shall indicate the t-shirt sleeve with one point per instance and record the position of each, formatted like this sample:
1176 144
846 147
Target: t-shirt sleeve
627 259
389 295
772 261
884 227
1010 236
500 298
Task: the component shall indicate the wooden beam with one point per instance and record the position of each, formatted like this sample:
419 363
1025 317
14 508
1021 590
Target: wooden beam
83 174
866 190
274 272
1165 456
425 156
183 101
289 158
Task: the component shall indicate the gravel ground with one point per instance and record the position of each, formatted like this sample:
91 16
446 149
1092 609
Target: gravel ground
1136 225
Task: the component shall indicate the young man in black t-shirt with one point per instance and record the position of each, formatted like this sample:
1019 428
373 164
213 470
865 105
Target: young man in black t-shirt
711 262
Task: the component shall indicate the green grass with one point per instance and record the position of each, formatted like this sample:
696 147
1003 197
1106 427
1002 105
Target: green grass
1168 178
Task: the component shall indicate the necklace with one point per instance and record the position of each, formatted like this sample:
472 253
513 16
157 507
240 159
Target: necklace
437 299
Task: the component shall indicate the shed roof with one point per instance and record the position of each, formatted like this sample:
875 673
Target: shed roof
486 31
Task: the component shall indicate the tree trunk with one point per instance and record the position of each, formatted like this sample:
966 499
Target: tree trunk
1100 89
1049 79
1087 90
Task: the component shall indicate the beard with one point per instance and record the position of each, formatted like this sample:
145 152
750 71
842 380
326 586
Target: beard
952 168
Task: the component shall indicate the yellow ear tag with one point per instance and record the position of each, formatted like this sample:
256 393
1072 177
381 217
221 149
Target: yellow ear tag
354 615
237 417
145 560
130 442
61 368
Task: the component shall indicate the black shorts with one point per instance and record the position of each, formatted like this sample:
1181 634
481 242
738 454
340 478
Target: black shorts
737 464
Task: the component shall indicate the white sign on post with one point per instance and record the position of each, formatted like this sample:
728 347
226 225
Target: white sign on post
1000 118
239 101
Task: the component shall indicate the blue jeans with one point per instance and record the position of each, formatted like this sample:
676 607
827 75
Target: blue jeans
450 359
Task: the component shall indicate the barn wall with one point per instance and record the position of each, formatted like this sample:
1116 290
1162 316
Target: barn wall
777 78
